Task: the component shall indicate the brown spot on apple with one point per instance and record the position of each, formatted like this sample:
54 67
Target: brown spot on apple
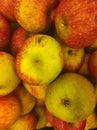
66 102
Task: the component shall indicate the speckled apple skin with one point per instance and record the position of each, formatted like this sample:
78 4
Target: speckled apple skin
76 22
34 15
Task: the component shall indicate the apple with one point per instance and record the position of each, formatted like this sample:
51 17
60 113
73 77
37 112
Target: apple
71 97
36 17
39 112
5 33
24 122
9 110
40 60
27 101
38 91
7 9
93 66
70 56
75 22
84 67
62 125
9 79
18 38
91 121
92 47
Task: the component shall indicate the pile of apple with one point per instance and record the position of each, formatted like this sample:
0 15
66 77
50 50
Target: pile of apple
48 64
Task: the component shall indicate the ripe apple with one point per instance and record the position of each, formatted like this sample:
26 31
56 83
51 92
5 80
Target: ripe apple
70 56
71 97
76 22
37 16
84 67
18 38
9 110
36 90
27 101
9 79
24 122
91 121
5 32
93 66
7 9
39 112
62 125
40 60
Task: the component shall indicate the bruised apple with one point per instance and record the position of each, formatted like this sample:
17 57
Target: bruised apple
71 97
40 60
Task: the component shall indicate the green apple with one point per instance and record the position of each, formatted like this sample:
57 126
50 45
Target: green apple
71 97
40 60
39 112
75 22
70 56
35 16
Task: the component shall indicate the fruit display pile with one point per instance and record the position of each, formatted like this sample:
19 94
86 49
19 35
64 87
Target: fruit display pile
48 64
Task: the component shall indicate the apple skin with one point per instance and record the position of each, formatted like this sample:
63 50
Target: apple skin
10 110
9 79
71 97
70 56
76 23
24 122
5 33
93 66
42 62
35 17
18 38
26 100
59 124
7 9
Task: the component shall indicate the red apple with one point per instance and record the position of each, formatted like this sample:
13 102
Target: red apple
7 9
18 38
5 32
76 22
62 125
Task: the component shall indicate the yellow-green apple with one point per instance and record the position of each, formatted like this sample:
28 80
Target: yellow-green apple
37 16
70 56
40 60
7 9
84 67
24 122
39 112
91 121
18 38
38 91
9 79
71 97
27 101
9 110
5 32
76 22
92 65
